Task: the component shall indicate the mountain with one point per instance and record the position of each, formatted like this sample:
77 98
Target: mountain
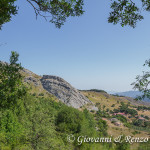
132 94
57 87
64 91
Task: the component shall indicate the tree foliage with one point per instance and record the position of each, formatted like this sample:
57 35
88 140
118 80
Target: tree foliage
69 120
125 12
142 83
12 89
7 9
56 10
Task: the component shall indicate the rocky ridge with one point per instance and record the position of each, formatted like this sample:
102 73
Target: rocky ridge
55 86
64 91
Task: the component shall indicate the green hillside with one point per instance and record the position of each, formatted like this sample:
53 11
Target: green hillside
33 119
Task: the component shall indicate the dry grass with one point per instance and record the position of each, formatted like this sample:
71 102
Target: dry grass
104 99
108 101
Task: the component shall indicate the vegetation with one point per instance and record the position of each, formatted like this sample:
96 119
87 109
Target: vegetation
143 108
121 118
96 90
125 12
125 108
142 82
113 105
144 146
12 89
30 120
59 10
123 145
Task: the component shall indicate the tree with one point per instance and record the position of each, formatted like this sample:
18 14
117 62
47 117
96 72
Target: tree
142 83
123 145
69 120
7 9
57 10
125 12
12 89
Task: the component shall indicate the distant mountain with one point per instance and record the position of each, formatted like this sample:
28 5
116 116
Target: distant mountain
132 94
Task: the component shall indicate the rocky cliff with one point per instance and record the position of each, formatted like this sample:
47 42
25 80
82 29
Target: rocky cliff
55 86
64 91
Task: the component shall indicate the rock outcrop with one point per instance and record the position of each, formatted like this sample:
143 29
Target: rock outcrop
55 86
64 91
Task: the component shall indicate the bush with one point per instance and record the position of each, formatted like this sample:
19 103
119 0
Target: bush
69 120
113 105
121 118
41 94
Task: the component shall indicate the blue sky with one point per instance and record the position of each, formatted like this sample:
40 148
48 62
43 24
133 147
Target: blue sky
87 51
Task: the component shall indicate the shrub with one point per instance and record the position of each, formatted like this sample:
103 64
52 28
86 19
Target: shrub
113 105
69 120
41 94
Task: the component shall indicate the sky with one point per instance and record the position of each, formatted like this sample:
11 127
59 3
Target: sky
87 51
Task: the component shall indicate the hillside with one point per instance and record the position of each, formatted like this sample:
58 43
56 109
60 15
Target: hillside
32 119
36 114
110 105
56 86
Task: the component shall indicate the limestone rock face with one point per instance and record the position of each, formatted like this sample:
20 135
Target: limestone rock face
33 80
64 91
56 86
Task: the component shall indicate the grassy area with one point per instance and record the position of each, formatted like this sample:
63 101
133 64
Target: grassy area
104 99
113 102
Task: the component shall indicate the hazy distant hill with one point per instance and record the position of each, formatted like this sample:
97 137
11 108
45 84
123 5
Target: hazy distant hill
132 94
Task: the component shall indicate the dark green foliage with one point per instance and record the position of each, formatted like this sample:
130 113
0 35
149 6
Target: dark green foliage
59 10
147 124
123 145
143 108
102 113
144 146
136 132
41 94
124 108
107 110
102 125
121 118
7 9
142 82
115 110
12 90
113 105
69 120
127 12
96 90
117 96
124 12
34 94
138 122
146 117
